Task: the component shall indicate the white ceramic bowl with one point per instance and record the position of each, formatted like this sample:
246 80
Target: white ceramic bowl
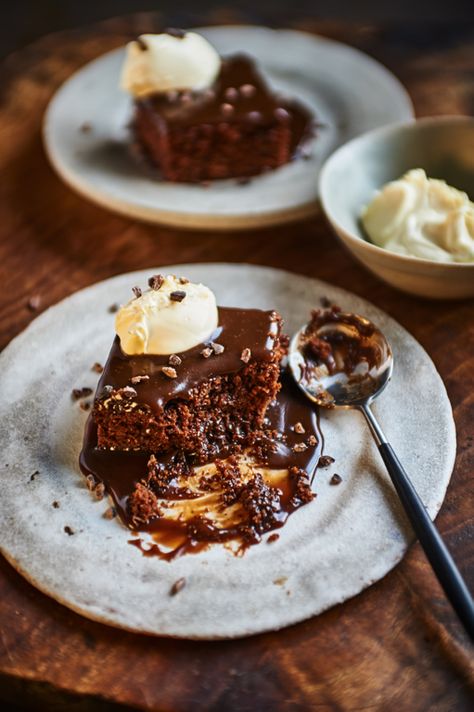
444 147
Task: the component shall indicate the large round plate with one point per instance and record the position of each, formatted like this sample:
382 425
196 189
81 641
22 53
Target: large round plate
329 550
348 91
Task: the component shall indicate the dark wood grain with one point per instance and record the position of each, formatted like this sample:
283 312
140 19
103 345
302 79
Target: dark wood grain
397 646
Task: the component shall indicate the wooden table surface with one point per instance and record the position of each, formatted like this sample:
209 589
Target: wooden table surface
398 645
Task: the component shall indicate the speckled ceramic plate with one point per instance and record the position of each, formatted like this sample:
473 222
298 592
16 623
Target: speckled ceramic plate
348 92
329 550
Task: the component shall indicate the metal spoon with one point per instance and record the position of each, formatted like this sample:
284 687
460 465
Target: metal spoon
342 360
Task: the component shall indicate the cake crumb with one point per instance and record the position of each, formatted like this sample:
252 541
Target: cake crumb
299 428
206 352
90 482
312 440
156 281
177 586
335 479
272 538
183 280
34 303
325 302
178 295
56 504
174 360
78 393
169 372
113 308
110 513
97 367
86 127
280 581
99 490
84 405
325 461
246 355
33 476
137 292
68 530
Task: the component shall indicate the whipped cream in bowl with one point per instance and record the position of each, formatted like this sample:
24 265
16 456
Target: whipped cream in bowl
422 217
174 315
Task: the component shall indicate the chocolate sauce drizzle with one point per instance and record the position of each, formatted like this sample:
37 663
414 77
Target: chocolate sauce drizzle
262 501
239 86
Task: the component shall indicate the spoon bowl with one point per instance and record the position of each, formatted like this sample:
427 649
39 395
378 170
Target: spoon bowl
360 364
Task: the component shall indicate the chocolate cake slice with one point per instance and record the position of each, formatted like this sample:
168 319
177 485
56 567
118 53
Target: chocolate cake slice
207 401
236 128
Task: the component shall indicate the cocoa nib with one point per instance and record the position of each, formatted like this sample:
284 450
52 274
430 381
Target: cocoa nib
110 513
178 295
139 379
177 586
34 303
325 461
217 348
156 281
127 392
246 355
169 371
176 32
78 393
99 490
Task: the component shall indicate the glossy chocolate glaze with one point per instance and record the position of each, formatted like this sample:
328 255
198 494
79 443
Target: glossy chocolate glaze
120 471
239 94
238 329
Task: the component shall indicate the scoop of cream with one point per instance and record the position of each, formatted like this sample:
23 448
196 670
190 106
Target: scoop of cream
423 217
162 321
160 63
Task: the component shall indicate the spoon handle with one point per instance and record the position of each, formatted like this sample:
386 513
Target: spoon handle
434 547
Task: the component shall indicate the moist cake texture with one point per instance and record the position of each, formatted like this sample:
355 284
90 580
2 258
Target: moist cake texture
236 128
212 400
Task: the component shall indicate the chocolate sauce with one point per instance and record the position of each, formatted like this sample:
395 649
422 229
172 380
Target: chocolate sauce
238 94
238 329
340 350
120 471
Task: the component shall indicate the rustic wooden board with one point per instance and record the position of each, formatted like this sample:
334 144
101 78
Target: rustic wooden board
398 645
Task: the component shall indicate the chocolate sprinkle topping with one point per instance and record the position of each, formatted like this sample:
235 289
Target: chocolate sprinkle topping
169 371
177 586
325 461
156 281
78 393
177 296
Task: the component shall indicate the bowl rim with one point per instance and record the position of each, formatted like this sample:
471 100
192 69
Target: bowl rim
384 132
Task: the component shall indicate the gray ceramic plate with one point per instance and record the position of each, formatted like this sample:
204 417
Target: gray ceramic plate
329 550
348 91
